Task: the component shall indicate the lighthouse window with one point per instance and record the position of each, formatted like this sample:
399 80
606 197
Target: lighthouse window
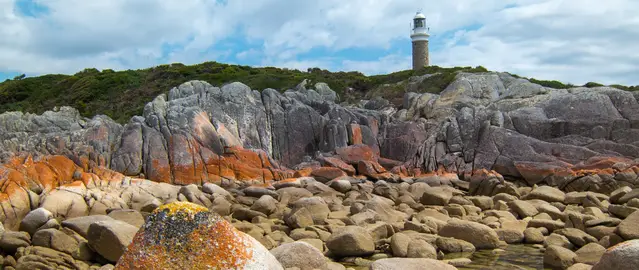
419 23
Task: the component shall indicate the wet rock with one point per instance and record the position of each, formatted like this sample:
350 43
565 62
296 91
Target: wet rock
558 257
533 236
410 264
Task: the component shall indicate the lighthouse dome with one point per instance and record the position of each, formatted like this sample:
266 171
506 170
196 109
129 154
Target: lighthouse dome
419 15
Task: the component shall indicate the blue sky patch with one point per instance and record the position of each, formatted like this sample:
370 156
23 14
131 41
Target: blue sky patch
30 8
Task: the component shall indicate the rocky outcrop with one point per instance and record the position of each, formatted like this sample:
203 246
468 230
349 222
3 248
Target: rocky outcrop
570 138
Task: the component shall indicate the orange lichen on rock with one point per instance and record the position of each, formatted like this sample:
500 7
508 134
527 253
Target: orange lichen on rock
303 172
352 154
327 173
183 235
235 163
356 134
338 163
22 178
599 163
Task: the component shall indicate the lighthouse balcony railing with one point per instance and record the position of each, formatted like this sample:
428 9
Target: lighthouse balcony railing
419 31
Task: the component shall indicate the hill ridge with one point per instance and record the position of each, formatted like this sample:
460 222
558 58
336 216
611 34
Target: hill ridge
123 94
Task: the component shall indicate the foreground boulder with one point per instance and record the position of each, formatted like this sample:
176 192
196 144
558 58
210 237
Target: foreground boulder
301 255
621 256
410 264
183 235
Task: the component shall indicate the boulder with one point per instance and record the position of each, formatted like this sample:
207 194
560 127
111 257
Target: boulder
299 254
410 264
452 245
419 248
81 224
559 257
436 196
109 238
351 241
188 236
11 241
34 220
480 235
55 239
546 193
620 257
590 253
628 228
34 257
523 208
578 237
132 217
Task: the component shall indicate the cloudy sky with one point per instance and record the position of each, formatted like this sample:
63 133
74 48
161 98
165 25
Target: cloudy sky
574 41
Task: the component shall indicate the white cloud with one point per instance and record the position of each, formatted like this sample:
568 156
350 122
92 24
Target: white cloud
382 65
571 40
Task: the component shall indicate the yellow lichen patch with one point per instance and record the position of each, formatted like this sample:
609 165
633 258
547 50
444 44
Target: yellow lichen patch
171 242
186 207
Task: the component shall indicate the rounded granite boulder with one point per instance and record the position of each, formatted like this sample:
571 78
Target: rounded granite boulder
183 235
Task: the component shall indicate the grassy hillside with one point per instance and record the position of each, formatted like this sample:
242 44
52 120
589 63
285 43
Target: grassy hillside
123 94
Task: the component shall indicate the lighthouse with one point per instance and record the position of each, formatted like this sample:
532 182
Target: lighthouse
419 36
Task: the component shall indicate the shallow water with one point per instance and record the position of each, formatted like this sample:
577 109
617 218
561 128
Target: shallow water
514 257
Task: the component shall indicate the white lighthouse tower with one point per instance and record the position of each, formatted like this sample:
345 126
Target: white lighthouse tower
419 36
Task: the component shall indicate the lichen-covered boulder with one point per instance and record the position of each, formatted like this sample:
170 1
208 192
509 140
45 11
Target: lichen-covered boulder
183 235
620 256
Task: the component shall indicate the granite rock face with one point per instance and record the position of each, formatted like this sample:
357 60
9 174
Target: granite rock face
578 139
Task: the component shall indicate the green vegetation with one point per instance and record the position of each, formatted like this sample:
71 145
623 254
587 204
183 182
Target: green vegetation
122 94
394 85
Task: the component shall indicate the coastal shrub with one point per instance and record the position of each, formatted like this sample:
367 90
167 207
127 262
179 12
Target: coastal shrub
592 84
122 94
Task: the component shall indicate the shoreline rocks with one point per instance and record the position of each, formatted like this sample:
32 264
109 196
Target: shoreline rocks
365 223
